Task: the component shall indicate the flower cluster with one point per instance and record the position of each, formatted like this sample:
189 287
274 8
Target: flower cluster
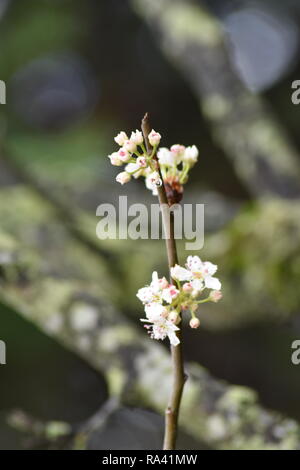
174 163
164 302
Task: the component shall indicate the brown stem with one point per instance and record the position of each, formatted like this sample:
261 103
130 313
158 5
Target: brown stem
179 377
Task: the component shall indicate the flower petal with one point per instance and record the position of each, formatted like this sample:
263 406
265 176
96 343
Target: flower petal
174 340
194 263
212 283
209 268
181 274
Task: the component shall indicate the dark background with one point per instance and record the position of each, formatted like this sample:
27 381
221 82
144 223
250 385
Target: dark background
78 72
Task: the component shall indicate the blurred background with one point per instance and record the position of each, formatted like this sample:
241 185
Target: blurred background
216 74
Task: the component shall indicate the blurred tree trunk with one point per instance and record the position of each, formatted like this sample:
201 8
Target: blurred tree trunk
241 122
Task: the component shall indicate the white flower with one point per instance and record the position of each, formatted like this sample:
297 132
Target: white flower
155 311
115 159
152 182
145 294
137 137
150 186
130 146
154 138
121 138
169 294
164 328
181 274
204 270
133 169
197 285
141 162
178 151
124 155
123 177
158 291
155 178
166 157
191 155
210 282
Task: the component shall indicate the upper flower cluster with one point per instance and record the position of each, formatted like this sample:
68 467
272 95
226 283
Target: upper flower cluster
174 163
164 302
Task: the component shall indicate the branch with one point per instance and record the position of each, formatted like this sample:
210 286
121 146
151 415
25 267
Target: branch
179 377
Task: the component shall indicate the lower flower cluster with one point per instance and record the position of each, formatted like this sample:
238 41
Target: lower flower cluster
165 302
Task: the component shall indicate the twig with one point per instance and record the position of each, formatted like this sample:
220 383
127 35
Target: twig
179 377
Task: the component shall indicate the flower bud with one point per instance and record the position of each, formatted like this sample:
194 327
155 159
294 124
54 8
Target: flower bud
194 323
130 146
115 159
187 288
191 155
123 177
163 283
142 162
134 170
165 157
121 138
137 137
131 167
178 150
124 155
215 295
154 138
173 316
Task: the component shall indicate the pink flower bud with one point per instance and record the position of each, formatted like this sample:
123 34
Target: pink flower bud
130 146
178 150
215 295
173 316
137 137
187 288
123 177
124 155
121 138
194 323
163 283
154 138
142 162
114 159
173 291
